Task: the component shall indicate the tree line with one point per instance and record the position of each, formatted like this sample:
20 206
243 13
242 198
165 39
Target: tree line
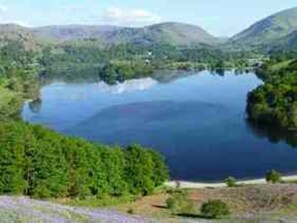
116 63
37 162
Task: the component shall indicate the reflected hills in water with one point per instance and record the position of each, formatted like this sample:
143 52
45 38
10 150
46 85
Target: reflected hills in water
274 135
142 84
197 120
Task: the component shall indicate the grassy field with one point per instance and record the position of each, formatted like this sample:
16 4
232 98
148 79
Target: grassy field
250 203
25 210
280 65
271 203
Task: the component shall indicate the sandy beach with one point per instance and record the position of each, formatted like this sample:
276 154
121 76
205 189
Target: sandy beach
200 185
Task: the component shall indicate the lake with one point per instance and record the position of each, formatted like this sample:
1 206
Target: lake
196 120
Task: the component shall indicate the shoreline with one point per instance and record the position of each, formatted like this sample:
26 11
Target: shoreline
203 185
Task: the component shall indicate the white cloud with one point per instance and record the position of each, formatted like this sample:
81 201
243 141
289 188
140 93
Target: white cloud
129 17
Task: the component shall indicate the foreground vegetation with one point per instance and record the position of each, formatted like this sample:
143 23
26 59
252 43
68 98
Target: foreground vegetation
40 163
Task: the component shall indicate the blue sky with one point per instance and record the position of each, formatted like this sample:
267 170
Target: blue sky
219 17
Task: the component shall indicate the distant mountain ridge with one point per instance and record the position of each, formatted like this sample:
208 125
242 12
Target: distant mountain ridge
164 33
277 30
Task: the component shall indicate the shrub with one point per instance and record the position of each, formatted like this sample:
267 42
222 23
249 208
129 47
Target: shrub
273 177
171 203
231 182
130 211
214 209
180 202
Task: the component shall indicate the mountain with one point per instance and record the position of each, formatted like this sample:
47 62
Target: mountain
177 34
269 30
167 33
173 33
73 32
18 33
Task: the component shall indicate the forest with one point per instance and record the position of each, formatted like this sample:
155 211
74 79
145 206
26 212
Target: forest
40 163
275 102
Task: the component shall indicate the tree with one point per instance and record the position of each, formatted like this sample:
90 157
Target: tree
109 74
114 164
139 170
160 170
231 182
273 177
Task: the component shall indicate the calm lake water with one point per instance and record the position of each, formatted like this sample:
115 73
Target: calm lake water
196 120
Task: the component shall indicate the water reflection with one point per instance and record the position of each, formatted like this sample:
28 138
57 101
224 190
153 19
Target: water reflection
274 135
35 105
170 76
128 86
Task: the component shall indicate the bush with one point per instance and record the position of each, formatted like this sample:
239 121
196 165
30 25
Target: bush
231 182
214 209
273 177
180 202
130 211
171 204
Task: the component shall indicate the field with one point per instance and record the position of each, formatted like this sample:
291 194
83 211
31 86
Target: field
23 209
249 204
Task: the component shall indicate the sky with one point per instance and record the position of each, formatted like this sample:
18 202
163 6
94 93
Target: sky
219 17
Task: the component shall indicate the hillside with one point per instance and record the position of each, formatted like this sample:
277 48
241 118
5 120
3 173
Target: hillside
18 33
290 40
174 33
250 203
177 34
270 29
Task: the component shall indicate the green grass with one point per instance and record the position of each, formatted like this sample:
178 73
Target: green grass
93 202
280 65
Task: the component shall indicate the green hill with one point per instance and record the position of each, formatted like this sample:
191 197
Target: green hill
177 34
269 30
173 33
167 33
